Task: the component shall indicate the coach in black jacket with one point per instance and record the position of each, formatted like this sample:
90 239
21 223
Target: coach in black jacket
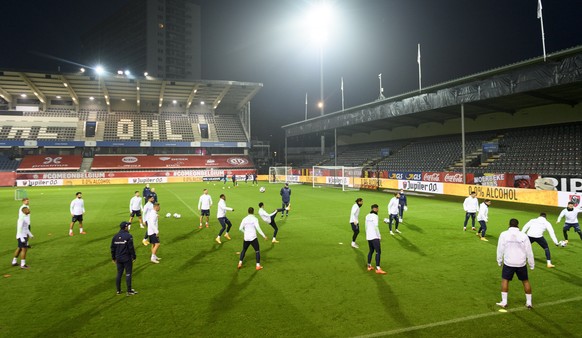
123 254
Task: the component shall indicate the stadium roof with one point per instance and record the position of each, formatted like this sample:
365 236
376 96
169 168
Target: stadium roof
508 89
224 96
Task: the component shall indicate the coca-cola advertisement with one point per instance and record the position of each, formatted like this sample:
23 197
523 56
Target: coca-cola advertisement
433 177
453 177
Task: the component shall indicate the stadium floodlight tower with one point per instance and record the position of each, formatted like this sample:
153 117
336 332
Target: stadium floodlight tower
319 20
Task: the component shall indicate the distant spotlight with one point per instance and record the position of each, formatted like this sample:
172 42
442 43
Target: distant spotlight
120 72
82 70
122 99
174 101
58 96
320 104
137 88
91 98
65 84
127 72
202 103
99 70
22 95
145 73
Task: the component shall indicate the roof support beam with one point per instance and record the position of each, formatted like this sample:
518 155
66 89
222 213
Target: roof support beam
71 91
138 96
191 96
248 98
5 95
221 96
40 95
552 98
493 109
162 90
105 93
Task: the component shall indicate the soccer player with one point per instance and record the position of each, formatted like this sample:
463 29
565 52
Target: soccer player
571 215
250 226
246 177
535 228
403 204
154 232
482 218
373 237
204 204
354 222
270 219
255 178
135 209
470 205
25 204
77 209
224 177
285 199
393 209
513 252
149 206
222 219
23 234
146 192
123 255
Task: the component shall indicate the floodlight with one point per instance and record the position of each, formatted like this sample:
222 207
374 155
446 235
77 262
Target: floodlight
127 72
120 72
174 101
99 70
202 103
91 98
22 95
145 73
58 96
82 70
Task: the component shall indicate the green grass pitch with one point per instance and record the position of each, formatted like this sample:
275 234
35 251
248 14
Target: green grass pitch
441 281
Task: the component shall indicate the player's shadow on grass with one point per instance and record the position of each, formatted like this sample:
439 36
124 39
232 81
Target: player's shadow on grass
412 227
70 327
229 296
51 239
194 260
99 239
541 328
180 238
390 300
565 276
406 244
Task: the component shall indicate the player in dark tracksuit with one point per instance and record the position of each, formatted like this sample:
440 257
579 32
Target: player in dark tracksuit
285 199
403 203
123 254
146 192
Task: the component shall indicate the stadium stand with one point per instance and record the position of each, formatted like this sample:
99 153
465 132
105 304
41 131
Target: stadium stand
7 164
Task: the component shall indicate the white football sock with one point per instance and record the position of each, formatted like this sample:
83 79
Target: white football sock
504 297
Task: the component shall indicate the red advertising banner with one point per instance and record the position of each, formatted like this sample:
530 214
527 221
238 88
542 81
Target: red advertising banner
50 162
7 179
170 162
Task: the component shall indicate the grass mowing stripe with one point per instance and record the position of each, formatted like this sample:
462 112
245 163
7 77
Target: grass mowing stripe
183 202
463 319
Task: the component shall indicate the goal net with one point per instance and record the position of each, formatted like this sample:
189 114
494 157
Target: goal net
280 174
346 178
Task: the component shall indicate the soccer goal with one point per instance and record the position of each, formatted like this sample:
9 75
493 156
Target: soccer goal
19 194
347 178
280 174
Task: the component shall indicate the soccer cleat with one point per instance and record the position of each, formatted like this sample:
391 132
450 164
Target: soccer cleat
400 220
259 267
484 239
71 234
129 227
398 231
380 272
478 234
155 261
386 220
118 292
227 236
464 229
355 246
14 264
370 268
142 226
550 265
239 265
83 233
566 241
25 267
473 228
529 306
145 242
274 241
217 240
207 225
200 227
131 292
501 304
391 233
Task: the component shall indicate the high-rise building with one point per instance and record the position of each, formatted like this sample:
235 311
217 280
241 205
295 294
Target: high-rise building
160 37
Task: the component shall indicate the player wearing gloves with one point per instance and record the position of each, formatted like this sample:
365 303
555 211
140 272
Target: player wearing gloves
22 235
535 228
571 215
513 252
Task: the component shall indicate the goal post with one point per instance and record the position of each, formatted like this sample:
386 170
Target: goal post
19 194
280 174
346 178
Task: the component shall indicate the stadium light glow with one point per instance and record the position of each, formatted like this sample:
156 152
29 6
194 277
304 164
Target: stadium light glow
124 100
319 21
91 98
22 95
202 103
120 72
99 70
58 96
137 88
145 74
127 72
82 70
174 101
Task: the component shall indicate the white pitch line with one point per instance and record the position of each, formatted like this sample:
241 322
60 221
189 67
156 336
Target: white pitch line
463 319
181 200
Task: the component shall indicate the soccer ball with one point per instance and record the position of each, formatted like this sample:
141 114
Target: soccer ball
262 189
168 215
177 215
562 243
386 220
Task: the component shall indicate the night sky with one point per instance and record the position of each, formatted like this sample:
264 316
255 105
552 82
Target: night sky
265 41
